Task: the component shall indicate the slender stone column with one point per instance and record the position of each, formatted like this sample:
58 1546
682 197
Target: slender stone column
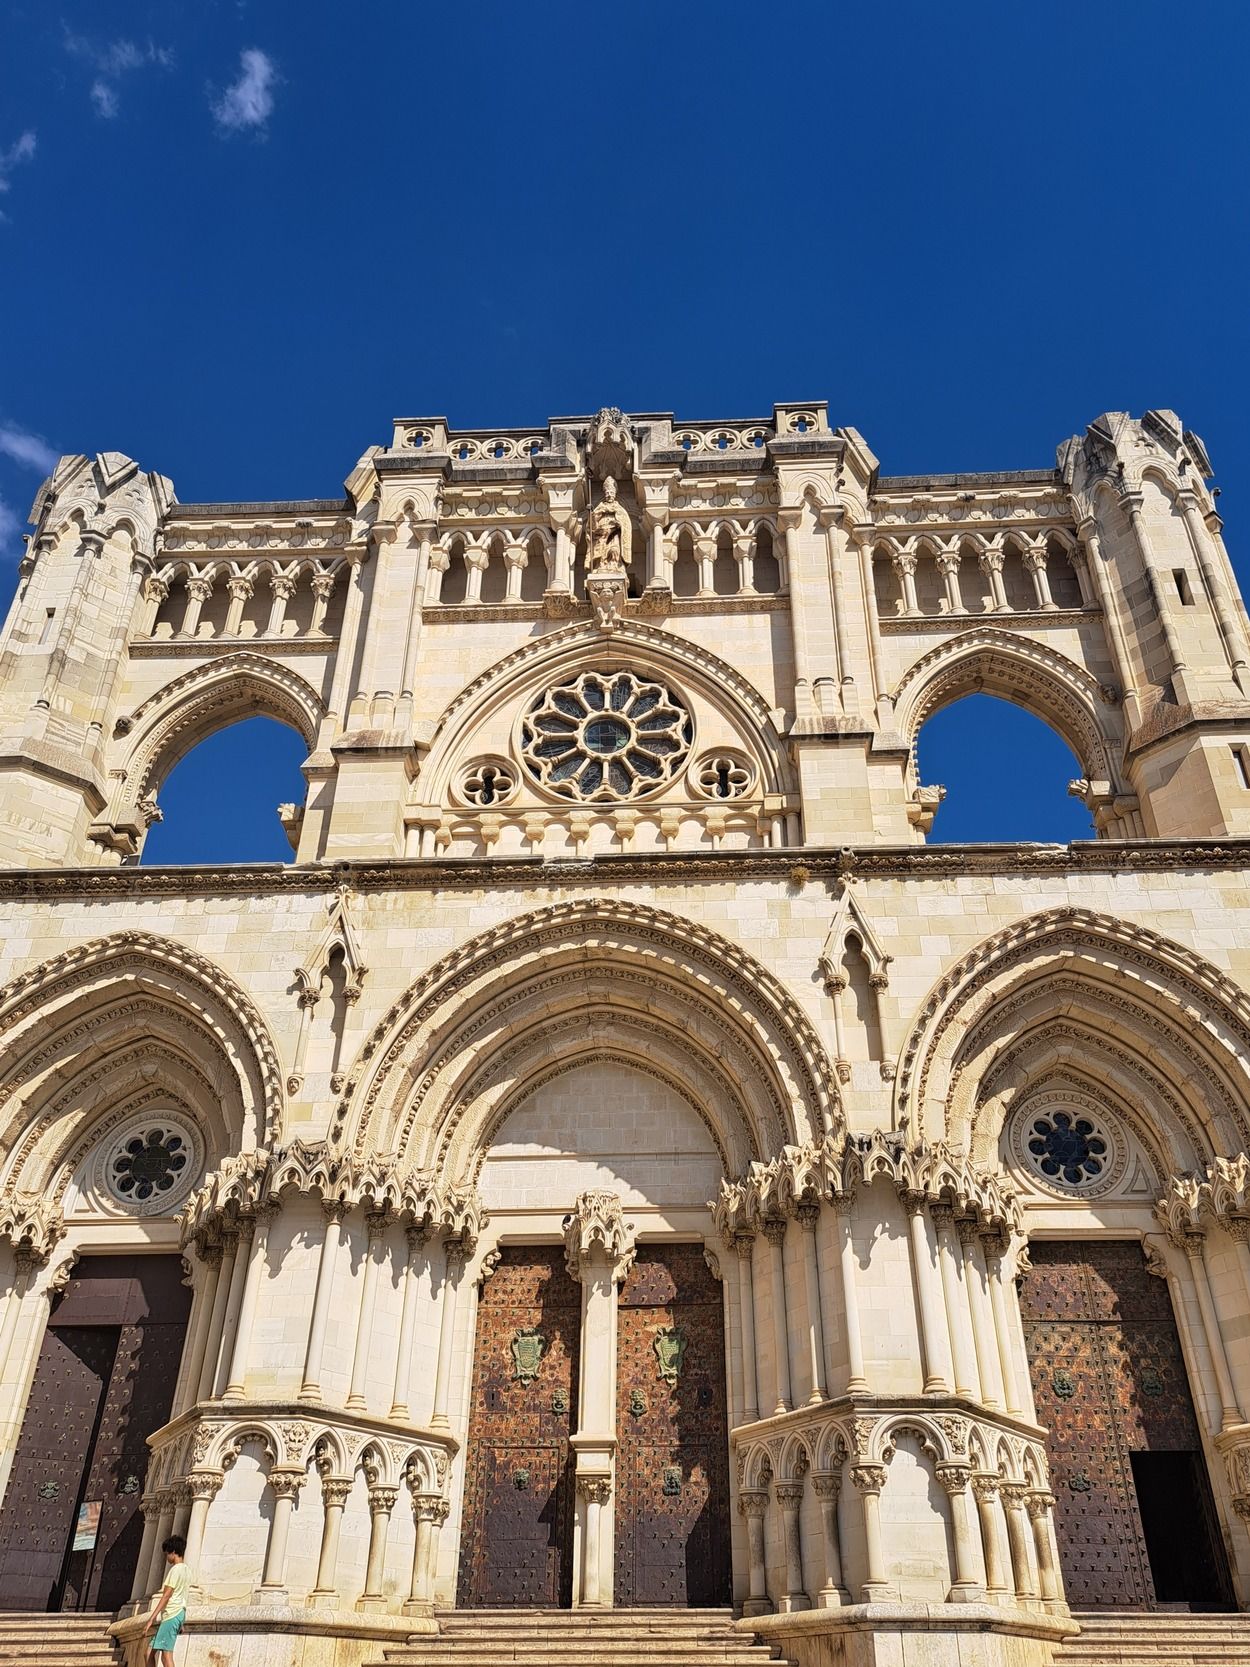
775 1233
219 1324
752 1504
335 1492
1225 615
1035 564
596 1491
827 1487
948 566
416 1239
223 1355
344 660
377 1222
1195 1248
1039 1506
322 587
989 1370
253 1274
1107 593
281 589
905 567
381 1504
562 574
790 1498
985 1490
182 1509
456 1254
857 1379
809 1219
285 1485
203 1487
429 1513
991 564
205 1297
744 1244
198 592
1132 501
958 1304
882 699
932 1320
870 1479
967 1586
1014 1495
25 1268
151 1510
1002 1324
164 1528
310 1389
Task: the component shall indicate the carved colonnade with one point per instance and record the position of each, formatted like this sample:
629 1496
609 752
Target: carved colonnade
218 1406
1205 1218
809 1403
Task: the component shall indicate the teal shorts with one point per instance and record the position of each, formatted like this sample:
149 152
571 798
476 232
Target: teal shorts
167 1633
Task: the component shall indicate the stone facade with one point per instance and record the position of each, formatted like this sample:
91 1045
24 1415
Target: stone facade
611 923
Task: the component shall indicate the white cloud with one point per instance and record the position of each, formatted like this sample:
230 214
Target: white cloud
27 449
248 102
104 98
112 60
10 533
21 150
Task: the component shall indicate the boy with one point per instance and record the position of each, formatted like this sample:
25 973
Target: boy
171 1608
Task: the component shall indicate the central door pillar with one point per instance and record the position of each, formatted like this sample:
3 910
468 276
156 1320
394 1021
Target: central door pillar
598 1248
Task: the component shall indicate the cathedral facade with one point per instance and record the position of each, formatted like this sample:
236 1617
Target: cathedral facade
617 1163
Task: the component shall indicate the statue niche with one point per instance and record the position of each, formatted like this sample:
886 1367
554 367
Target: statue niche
609 545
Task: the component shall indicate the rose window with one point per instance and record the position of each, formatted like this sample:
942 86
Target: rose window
606 735
1068 1148
148 1164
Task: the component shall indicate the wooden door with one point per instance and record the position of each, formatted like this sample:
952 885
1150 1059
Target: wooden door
1109 1382
672 1472
517 1544
104 1381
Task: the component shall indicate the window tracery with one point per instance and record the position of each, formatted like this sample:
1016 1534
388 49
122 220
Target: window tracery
606 736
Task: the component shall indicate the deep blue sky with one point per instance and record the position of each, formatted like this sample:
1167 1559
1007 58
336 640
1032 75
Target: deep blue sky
971 227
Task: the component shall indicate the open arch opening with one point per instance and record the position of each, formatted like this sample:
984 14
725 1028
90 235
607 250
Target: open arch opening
1005 771
220 802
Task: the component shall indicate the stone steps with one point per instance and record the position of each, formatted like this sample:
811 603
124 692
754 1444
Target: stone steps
580 1638
1141 1639
59 1640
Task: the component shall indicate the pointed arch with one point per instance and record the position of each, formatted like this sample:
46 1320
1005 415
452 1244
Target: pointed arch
95 1032
1179 1026
993 661
165 727
473 1034
578 647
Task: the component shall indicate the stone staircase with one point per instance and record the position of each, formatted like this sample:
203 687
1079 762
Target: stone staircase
1111 1638
581 1638
55 1640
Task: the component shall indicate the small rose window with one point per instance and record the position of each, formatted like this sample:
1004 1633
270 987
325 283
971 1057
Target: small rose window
1068 1148
605 736
148 1164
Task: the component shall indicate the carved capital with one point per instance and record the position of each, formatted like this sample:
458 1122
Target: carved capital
827 1486
753 1502
596 1490
985 1485
868 1478
952 1478
382 1500
775 1232
335 1491
789 1495
744 1245
596 1225
285 1484
1039 1503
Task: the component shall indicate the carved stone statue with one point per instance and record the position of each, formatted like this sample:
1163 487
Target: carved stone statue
610 535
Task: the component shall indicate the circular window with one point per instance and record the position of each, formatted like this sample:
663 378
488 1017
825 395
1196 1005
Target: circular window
147 1166
1068 1144
605 735
1067 1148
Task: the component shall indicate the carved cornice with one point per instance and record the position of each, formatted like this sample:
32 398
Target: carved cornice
831 1170
436 874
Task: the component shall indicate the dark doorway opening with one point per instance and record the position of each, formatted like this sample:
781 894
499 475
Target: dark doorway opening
70 1528
1178 1521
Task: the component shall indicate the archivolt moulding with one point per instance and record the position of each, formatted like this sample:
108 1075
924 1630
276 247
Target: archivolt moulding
596 935
642 648
175 718
1029 673
1207 1015
40 1004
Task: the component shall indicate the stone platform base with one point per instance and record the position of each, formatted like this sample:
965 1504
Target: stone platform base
914 1635
276 1635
